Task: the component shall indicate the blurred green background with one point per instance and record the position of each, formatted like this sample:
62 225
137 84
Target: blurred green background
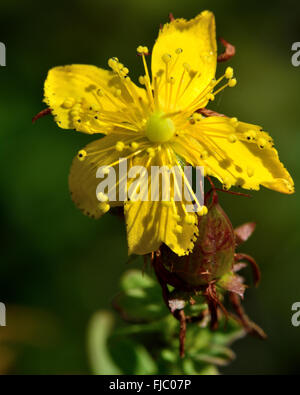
57 266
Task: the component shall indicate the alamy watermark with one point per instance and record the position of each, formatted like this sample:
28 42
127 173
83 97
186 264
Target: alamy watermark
296 316
153 183
2 314
2 54
296 56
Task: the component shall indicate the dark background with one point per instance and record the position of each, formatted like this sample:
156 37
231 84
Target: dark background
57 266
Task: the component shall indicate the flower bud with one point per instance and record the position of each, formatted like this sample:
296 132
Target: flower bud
213 253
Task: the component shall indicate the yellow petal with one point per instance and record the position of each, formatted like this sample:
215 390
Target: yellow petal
244 163
82 178
77 93
196 38
149 224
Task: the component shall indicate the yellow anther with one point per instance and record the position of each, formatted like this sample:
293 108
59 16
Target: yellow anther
232 138
113 63
151 152
178 229
134 145
250 171
142 50
102 197
68 103
142 79
202 211
171 80
232 82
123 71
178 51
110 63
261 142
189 219
119 66
234 121
229 73
186 67
197 117
104 207
120 146
211 97
81 154
166 58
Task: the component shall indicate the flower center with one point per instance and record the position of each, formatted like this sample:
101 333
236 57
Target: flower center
159 129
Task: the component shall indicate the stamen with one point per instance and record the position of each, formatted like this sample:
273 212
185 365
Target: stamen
178 52
232 138
232 82
171 82
119 146
134 145
200 209
144 51
179 85
151 152
142 79
122 72
104 207
229 73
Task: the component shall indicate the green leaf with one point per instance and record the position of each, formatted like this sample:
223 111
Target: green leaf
141 299
132 357
208 370
136 279
99 330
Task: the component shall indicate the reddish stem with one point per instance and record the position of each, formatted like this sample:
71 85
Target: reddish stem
249 326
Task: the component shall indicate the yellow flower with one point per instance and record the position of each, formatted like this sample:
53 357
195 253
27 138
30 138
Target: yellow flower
157 124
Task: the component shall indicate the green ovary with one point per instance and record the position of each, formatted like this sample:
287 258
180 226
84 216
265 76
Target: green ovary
159 129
